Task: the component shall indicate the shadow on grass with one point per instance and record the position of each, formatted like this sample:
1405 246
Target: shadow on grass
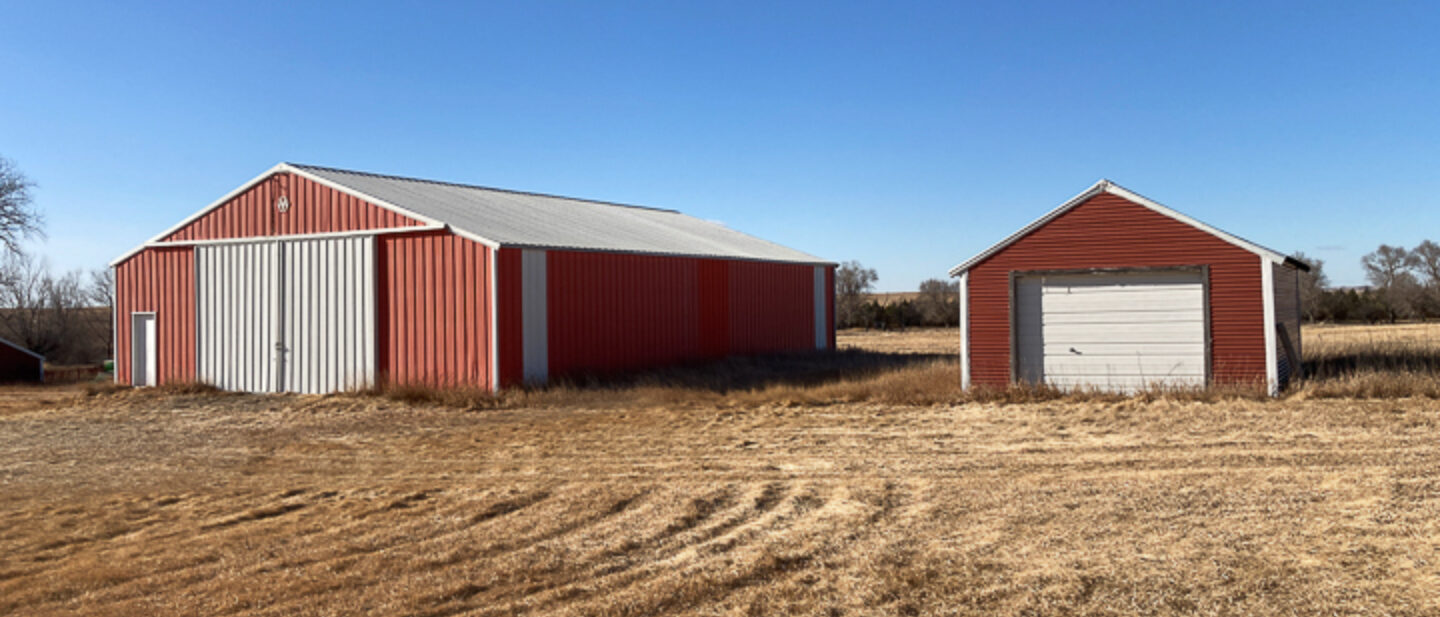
741 373
1349 363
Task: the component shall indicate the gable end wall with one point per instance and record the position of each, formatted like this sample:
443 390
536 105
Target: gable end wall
1107 231
314 208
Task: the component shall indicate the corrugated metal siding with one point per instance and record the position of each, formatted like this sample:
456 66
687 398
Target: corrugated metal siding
314 208
714 307
161 280
327 315
238 301
434 309
772 307
609 312
1110 232
613 312
509 324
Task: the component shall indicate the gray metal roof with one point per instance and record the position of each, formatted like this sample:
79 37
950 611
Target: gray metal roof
519 219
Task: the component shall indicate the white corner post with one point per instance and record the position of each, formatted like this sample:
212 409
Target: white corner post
822 332
534 318
1267 291
965 330
494 254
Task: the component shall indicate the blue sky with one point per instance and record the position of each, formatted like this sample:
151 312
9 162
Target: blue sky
906 136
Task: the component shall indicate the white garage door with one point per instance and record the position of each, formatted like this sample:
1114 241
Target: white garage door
291 316
1111 330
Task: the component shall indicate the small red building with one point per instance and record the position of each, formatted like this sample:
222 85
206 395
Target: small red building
311 279
18 364
1114 291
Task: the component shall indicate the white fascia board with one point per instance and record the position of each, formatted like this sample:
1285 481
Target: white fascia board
383 231
1106 186
384 204
288 168
202 212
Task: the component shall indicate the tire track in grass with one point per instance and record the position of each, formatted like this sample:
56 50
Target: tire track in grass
758 517
421 568
703 584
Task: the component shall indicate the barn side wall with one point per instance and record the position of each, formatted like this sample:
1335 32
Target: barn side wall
433 308
1107 231
313 208
159 280
612 312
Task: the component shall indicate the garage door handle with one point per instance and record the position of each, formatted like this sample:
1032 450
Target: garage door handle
1075 351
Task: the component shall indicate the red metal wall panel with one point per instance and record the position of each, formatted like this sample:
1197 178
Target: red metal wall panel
159 280
713 277
508 318
433 309
314 208
772 307
1107 231
612 312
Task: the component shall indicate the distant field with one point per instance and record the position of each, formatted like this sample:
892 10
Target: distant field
813 500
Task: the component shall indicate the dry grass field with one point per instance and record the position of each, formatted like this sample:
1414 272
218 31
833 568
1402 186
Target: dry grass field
816 498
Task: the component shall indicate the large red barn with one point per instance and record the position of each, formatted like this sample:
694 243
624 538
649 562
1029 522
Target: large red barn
311 279
1114 291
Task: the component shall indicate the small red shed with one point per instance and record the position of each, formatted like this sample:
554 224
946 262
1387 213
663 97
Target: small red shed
1115 291
18 364
313 279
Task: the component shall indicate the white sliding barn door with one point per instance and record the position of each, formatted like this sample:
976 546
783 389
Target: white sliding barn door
1120 331
328 315
287 316
235 285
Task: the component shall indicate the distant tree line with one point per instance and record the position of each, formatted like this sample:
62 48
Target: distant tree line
64 317
1404 284
936 305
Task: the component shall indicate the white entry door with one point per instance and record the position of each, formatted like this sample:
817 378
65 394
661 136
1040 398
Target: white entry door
287 316
142 349
1119 331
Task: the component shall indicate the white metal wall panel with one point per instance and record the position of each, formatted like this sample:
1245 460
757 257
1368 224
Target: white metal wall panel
235 288
1112 330
534 318
328 315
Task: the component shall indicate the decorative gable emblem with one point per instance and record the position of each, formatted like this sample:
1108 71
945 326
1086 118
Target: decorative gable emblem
282 204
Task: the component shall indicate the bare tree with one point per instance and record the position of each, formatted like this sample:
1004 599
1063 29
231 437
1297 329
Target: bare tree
939 302
48 314
1425 259
1388 269
1312 286
852 283
18 219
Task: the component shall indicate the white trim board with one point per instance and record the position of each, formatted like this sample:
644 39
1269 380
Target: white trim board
383 231
1272 366
291 169
1106 186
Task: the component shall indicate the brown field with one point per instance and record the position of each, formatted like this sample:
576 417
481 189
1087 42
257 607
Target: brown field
815 499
